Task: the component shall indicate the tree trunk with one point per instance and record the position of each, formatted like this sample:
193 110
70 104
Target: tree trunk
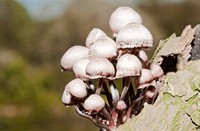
177 107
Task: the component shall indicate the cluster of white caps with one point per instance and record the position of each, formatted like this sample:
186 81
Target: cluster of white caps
105 60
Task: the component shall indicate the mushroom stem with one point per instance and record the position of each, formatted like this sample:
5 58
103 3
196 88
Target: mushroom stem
100 125
126 87
132 92
108 95
128 115
114 93
99 84
108 117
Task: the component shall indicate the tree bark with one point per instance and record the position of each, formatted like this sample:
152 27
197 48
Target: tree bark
177 107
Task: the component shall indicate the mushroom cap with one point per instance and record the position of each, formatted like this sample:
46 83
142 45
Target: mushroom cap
94 34
66 98
77 88
94 103
151 91
79 68
156 70
122 16
145 76
128 65
142 55
134 35
100 68
72 55
121 105
103 47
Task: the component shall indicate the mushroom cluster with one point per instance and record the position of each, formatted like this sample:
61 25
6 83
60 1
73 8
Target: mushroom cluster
113 78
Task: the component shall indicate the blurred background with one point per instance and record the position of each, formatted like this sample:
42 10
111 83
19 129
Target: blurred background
34 34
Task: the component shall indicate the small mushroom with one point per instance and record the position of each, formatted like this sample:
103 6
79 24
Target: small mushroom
122 16
134 35
156 70
77 88
145 77
79 68
128 65
72 55
94 103
143 57
94 34
100 68
151 91
66 98
121 105
103 47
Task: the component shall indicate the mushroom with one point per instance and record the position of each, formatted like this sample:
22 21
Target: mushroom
143 57
77 88
122 16
94 34
145 77
79 68
66 98
100 68
127 66
72 55
134 35
94 103
121 105
103 47
156 70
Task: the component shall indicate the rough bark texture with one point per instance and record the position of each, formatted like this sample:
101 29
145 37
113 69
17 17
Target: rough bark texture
177 107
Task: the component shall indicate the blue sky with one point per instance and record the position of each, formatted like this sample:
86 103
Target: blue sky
44 9
48 9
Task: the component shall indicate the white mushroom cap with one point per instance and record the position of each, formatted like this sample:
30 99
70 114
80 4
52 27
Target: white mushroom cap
79 68
128 65
142 55
151 91
156 70
94 103
121 17
66 98
134 35
94 34
103 47
145 76
121 105
77 88
141 86
72 55
100 68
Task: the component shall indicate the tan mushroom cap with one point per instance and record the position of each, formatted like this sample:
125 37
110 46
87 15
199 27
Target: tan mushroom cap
121 105
77 88
134 35
145 76
66 98
72 55
94 103
103 47
122 16
156 70
128 65
94 34
100 68
79 68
